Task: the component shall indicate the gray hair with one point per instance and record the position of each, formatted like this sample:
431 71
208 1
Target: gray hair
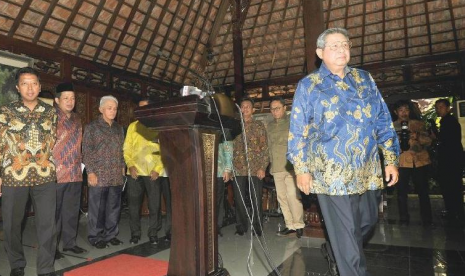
107 98
321 41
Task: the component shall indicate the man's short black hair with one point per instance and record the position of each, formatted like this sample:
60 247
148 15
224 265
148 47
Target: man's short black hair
26 70
401 103
444 101
279 99
247 99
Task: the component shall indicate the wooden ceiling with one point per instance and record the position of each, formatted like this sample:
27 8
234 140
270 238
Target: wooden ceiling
175 40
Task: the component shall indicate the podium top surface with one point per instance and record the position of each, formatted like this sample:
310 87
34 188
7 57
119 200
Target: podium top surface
184 112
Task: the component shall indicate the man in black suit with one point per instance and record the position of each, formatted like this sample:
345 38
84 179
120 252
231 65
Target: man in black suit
450 162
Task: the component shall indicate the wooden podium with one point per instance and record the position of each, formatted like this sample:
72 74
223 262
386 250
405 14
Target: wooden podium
188 132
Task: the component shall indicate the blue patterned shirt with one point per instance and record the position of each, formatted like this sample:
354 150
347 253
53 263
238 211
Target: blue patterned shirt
337 126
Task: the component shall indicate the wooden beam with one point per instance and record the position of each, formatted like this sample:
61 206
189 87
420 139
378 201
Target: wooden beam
454 28
69 21
222 11
139 34
238 51
194 24
90 27
44 21
152 38
210 7
123 32
313 27
107 30
19 18
165 39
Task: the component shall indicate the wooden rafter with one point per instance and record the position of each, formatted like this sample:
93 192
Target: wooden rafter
405 27
44 21
362 46
313 27
276 41
266 29
139 34
197 16
165 39
222 11
210 8
223 43
152 39
90 27
124 32
68 25
454 29
428 28
293 38
108 29
19 18
383 51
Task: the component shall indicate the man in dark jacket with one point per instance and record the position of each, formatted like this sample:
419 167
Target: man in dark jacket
450 162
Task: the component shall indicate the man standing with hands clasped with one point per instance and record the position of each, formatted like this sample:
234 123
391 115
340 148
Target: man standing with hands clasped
102 150
338 121
254 154
142 156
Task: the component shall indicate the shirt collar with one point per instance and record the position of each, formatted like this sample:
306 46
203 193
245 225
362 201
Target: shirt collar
324 71
103 122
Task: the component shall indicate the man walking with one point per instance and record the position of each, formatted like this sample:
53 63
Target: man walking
338 121
283 173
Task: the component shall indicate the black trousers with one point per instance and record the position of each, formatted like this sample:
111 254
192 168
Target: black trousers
104 209
450 181
67 213
14 201
166 192
220 186
349 222
255 193
136 190
420 180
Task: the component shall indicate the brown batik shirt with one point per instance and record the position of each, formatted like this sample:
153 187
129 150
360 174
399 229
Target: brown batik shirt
27 138
102 150
257 147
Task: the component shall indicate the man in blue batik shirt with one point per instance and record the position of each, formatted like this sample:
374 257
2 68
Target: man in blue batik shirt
338 121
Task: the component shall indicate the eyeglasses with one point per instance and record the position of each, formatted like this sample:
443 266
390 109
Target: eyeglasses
276 108
334 46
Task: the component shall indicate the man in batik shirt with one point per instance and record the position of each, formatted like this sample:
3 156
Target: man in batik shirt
102 149
27 136
257 159
67 155
338 121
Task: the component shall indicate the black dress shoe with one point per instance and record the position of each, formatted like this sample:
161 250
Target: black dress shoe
75 249
153 239
134 240
58 255
220 233
115 241
19 271
286 232
299 232
100 245
168 237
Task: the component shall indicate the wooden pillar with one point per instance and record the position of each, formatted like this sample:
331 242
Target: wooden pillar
238 51
313 27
